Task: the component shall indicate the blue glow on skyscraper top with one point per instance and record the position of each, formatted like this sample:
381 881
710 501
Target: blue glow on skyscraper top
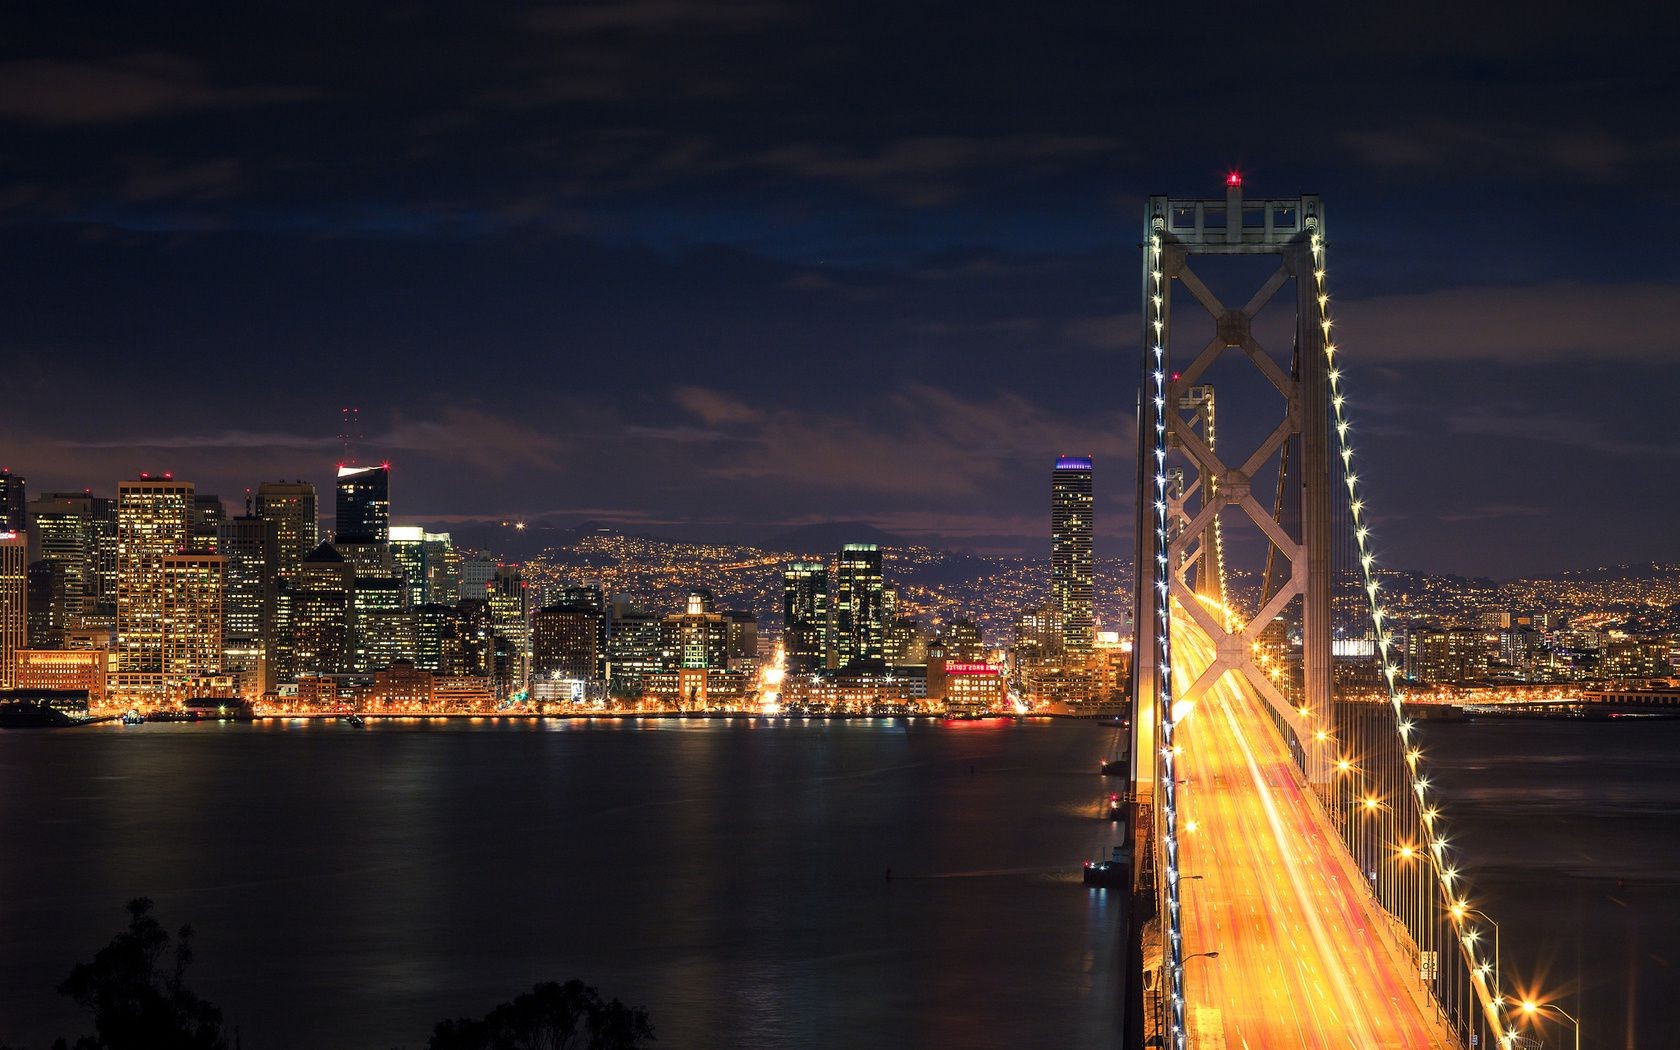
1073 462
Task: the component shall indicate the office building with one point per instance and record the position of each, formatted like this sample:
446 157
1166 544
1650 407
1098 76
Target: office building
805 616
154 522
192 619
63 670
207 517
252 547
1072 579
14 506
49 604
509 619
384 627
364 504
857 635
566 640
322 614
291 505
14 603
634 647
695 637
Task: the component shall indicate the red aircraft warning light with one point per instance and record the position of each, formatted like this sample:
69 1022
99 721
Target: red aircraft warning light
1233 179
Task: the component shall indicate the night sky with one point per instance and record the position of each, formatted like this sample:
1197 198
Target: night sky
696 267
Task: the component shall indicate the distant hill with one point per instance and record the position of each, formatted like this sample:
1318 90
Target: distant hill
827 537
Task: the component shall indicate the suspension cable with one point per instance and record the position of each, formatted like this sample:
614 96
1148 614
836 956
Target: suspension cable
1435 851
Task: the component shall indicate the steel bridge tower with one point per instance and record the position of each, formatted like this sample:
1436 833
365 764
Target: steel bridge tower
1180 530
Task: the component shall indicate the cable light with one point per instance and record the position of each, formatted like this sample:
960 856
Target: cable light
1439 863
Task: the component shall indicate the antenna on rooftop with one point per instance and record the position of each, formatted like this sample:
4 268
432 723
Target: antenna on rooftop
350 431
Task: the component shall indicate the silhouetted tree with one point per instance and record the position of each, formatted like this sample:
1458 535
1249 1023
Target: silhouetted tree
550 1016
138 1000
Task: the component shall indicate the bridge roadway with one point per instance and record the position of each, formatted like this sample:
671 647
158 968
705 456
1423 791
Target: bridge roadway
1306 958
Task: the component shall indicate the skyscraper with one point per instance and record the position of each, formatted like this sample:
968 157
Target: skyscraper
364 504
805 616
509 618
856 641
1072 580
192 618
14 602
14 508
154 518
291 505
252 548
65 531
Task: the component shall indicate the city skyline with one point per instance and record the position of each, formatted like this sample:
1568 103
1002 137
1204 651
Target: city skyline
867 311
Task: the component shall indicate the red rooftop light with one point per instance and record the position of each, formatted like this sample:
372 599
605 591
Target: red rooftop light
1234 179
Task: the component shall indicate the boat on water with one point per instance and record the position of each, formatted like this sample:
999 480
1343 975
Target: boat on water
132 717
1116 872
355 720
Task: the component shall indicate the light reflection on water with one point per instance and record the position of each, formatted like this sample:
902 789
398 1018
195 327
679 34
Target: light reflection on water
1572 834
352 886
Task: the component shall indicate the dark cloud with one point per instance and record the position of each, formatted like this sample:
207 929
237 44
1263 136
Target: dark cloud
657 261
68 92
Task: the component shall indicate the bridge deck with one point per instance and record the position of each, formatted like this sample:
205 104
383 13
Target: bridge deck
1304 956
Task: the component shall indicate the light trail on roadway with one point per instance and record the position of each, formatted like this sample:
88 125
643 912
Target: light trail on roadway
1303 958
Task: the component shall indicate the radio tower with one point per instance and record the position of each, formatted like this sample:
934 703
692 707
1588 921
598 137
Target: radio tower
350 432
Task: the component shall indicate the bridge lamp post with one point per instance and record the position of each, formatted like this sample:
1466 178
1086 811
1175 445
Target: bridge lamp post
1459 911
1531 1008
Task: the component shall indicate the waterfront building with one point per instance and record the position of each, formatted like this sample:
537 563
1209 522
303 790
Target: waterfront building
154 522
696 637
252 547
510 619
634 647
859 626
805 616
291 505
1072 572
401 687
63 670
192 618
364 504
566 640
14 603
1457 654
973 688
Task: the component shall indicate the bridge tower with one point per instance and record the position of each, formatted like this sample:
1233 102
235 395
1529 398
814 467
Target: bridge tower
1180 531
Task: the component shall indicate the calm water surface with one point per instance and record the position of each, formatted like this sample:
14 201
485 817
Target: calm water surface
1573 834
351 887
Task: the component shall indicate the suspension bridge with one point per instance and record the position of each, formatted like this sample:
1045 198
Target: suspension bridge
1295 880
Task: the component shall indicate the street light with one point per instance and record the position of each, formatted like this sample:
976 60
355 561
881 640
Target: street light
1459 910
1534 1008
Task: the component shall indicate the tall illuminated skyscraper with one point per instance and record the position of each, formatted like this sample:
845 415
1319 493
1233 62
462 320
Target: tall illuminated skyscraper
192 618
292 506
252 548
14 603
805 615
154 522
364 504
859 608
510 619
1072 579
